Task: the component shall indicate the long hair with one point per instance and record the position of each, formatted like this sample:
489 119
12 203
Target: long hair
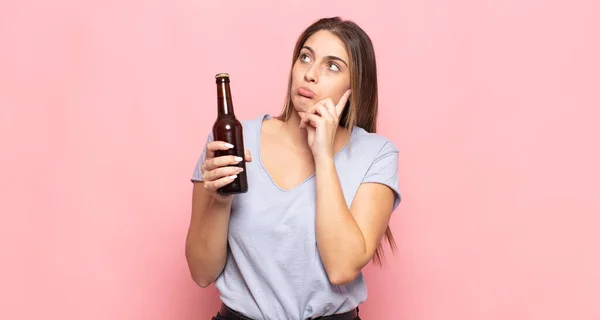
361 108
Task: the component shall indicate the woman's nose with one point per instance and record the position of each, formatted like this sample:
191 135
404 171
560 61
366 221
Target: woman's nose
311 74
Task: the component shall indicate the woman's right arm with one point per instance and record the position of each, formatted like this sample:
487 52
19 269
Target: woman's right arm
206 242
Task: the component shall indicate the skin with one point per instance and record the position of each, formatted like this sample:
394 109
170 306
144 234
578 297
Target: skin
346 237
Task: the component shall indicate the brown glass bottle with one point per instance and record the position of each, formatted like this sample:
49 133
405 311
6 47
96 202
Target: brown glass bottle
227 128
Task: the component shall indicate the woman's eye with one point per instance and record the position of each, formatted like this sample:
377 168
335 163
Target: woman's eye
334 67
304 58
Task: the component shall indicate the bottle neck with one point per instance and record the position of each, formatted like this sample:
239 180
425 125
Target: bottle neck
225 103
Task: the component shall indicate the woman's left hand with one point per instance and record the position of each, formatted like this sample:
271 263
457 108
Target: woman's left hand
321 121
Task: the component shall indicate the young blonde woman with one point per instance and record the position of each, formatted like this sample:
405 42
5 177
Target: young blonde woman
322 188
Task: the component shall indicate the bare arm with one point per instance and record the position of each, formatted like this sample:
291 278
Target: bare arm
348 237
206 242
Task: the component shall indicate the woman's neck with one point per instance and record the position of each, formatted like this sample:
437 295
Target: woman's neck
297 136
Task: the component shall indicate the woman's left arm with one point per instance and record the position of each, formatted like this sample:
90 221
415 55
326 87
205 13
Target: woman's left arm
348 237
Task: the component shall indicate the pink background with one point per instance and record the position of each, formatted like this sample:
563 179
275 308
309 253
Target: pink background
494 105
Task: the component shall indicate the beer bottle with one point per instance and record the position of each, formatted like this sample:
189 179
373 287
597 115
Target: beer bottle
227 128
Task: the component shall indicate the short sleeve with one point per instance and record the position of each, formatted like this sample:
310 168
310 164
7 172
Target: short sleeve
384 170
197 174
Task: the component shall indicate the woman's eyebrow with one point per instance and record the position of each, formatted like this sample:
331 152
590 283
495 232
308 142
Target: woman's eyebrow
327 57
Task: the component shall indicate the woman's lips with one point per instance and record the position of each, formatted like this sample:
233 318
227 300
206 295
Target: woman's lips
305 92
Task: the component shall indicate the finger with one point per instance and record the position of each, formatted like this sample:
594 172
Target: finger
302 119
306 121
325 111
219 173
248 155
310 130
314 120
214 185
222 161
330 106
213 146
342 103
311 110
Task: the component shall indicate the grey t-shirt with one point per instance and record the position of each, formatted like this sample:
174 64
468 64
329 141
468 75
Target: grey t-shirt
273 269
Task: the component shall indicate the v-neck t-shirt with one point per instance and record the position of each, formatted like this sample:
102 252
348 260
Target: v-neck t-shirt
273 268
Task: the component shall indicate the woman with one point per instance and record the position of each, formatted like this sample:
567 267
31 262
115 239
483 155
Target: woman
322 188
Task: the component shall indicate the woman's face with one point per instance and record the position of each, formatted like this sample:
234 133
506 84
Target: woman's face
321 71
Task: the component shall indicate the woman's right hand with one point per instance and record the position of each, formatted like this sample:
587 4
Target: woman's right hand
220 171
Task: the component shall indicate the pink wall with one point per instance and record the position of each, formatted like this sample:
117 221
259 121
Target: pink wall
494 105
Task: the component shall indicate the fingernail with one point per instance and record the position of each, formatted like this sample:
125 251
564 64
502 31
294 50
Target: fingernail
233 177
240 170
238 159
228 145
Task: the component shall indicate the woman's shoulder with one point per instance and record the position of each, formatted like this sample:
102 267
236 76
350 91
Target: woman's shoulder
370 142
254 123
255 119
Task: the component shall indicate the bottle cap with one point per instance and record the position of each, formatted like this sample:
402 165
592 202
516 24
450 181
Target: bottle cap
222 75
